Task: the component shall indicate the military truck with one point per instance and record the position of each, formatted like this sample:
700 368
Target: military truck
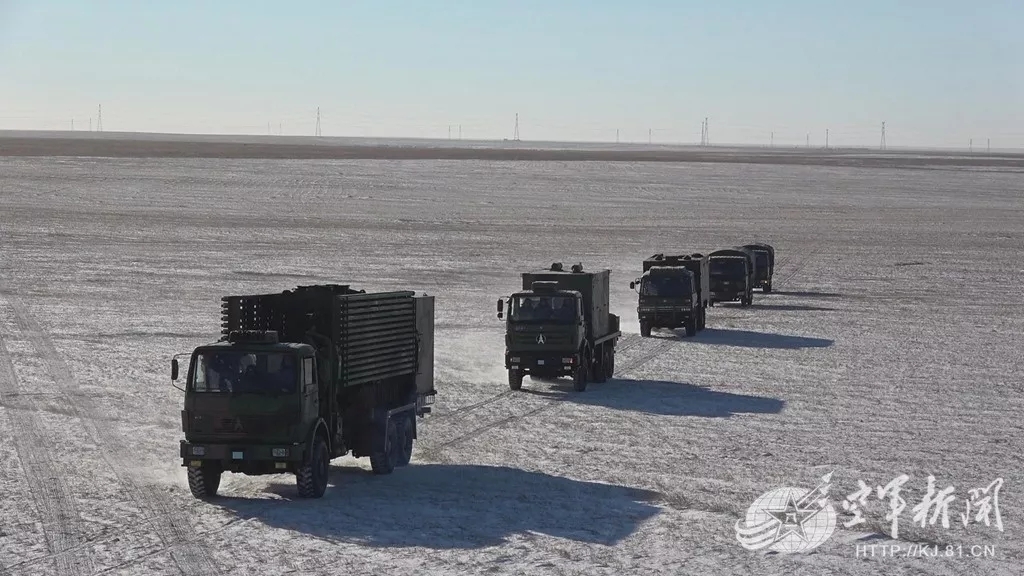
304 376
560 325
732 275
764 255
674 293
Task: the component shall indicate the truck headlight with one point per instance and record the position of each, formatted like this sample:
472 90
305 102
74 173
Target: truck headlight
280 452
514 359
198 451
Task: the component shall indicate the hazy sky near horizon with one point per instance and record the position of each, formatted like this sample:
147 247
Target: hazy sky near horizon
937 72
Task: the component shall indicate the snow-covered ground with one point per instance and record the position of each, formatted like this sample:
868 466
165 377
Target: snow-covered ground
892 345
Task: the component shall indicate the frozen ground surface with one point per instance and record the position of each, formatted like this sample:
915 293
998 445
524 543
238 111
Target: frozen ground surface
892 345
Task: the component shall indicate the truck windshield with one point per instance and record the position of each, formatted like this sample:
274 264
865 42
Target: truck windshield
553 309
665 286
728 267
762 260
237 372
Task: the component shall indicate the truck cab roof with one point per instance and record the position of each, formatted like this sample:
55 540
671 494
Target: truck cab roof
281 347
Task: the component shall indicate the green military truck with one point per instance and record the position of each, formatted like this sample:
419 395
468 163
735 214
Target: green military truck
560 325
732 275
304 376
764 263
673 293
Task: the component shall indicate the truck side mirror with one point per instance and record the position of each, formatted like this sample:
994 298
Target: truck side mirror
632 285
501 305
174 369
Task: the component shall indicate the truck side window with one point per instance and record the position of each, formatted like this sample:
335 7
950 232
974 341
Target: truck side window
307 372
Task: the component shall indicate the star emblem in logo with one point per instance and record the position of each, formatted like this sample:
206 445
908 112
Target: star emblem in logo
541 339
791 519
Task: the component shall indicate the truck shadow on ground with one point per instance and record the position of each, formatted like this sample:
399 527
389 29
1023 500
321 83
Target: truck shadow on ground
791 307
746 338
808 294
662 398
450 507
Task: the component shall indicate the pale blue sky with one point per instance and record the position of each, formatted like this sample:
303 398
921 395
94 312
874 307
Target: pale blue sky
938 72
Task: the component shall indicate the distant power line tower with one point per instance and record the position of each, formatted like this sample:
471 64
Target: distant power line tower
318 133
515 135
616 135
883 136
988 143
771 140
705 139
99 119
826 138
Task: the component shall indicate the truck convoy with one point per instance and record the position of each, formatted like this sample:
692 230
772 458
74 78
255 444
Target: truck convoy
560 325
732 275
764 256
304 376
674 292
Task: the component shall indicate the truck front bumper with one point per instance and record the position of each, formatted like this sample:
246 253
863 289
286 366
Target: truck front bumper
252 458
727 295
664 317
546 363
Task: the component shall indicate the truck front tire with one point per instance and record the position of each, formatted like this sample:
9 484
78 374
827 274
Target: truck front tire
579 377
203 482
311 478
645 329
515 379
691 326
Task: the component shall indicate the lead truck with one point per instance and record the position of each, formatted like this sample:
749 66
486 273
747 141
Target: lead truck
304 376
560 325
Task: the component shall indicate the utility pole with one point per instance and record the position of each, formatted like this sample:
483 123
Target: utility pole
616 135
449 131
826 138
318 121
90 123
808 144
515 135
988 143
883 136
650 138
971 145
460 131
771 140
99 119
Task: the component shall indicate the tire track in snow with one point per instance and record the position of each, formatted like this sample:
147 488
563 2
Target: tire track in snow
170 526
647 353
61 522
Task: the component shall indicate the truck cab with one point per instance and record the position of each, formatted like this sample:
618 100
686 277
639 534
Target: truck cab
668 298
732 273
249 401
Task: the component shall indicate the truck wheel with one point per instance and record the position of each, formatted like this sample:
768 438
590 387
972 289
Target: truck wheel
405 439
767 287
691 327
203 482
515 379
385 454
703 318
597 368
609 367
645 330
311 478
579 380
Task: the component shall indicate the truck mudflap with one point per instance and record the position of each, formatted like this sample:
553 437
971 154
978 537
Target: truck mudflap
616 335
195 454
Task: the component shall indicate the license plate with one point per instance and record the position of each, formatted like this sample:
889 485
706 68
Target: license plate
236 455
540 362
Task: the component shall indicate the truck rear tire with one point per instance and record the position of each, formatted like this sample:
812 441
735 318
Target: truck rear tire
703 318
406 427
767 287
645 330
385 454
609 367
311 477
515 379
203 482
691 326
